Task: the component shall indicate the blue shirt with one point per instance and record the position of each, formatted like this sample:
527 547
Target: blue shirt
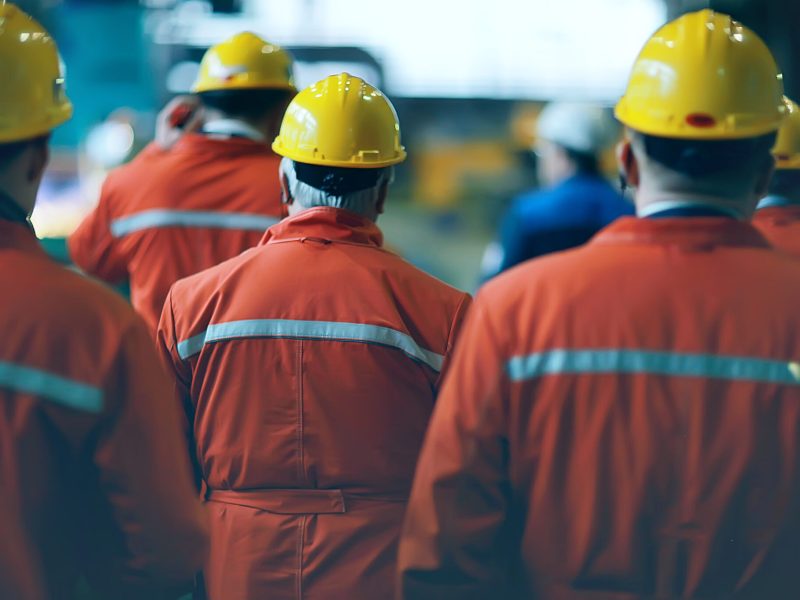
558 218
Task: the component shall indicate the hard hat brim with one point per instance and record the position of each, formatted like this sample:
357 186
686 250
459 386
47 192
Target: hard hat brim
57 117
199 89
300 157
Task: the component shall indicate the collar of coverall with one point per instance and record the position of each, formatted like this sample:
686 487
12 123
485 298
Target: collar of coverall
703 232
228 128
677 207
327 225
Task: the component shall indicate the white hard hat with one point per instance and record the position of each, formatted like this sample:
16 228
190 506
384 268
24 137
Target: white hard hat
579 127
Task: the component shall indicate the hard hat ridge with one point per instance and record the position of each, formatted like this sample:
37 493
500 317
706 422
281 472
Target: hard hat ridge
33 98
245 61
704 76
341 121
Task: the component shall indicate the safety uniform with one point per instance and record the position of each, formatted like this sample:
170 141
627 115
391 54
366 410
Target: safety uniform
167 215
622 420
625 438
309 367
96 485
91 484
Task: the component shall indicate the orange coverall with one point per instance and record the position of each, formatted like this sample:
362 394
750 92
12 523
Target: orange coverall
94 479
781 226
620 422
308 367
169 214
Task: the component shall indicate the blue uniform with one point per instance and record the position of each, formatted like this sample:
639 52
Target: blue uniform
558 218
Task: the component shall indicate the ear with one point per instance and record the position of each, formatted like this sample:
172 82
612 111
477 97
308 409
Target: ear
626 161
38 155
383 192
286 195
764 177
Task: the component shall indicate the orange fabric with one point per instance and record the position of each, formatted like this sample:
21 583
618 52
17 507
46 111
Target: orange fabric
200 173
93 477
618 485
781 226
308 445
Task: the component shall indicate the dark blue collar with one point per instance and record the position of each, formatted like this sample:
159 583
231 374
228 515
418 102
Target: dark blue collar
11 211
689 211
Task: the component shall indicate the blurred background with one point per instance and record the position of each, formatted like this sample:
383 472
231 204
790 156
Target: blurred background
468 79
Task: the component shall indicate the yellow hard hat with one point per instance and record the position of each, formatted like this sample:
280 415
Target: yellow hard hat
33 100
341 121
245 61
787 146
704 76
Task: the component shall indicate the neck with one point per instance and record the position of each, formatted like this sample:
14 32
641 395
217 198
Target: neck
652 201
296 208
217 123
10 209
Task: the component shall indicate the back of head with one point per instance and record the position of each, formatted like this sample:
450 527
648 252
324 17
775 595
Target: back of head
245 77
339 139
33 97
704 101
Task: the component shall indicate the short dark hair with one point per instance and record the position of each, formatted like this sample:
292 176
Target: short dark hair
249 104
11 150
337 181
697 158
584 162
785 182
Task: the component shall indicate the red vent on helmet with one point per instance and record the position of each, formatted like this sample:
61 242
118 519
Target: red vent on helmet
700 120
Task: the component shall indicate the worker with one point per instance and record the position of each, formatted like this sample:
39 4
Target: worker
575 202
622 420
93 482
778 214
169 214
309 367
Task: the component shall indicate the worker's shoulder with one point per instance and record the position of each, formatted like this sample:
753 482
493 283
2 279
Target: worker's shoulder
207 282
391 265
87 295
538 280
65 303
124 180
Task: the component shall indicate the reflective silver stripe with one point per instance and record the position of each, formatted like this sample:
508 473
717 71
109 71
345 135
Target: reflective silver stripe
311 330
150 219
68 392
676 364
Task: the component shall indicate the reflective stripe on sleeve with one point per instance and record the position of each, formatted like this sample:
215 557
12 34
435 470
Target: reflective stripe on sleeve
151 219
675 364
312 330
67 392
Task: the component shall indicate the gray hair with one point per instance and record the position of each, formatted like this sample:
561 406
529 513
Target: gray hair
362 202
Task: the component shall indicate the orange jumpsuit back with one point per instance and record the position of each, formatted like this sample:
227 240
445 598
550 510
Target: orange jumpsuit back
780 224
309 367
93 478
620 422
170 214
